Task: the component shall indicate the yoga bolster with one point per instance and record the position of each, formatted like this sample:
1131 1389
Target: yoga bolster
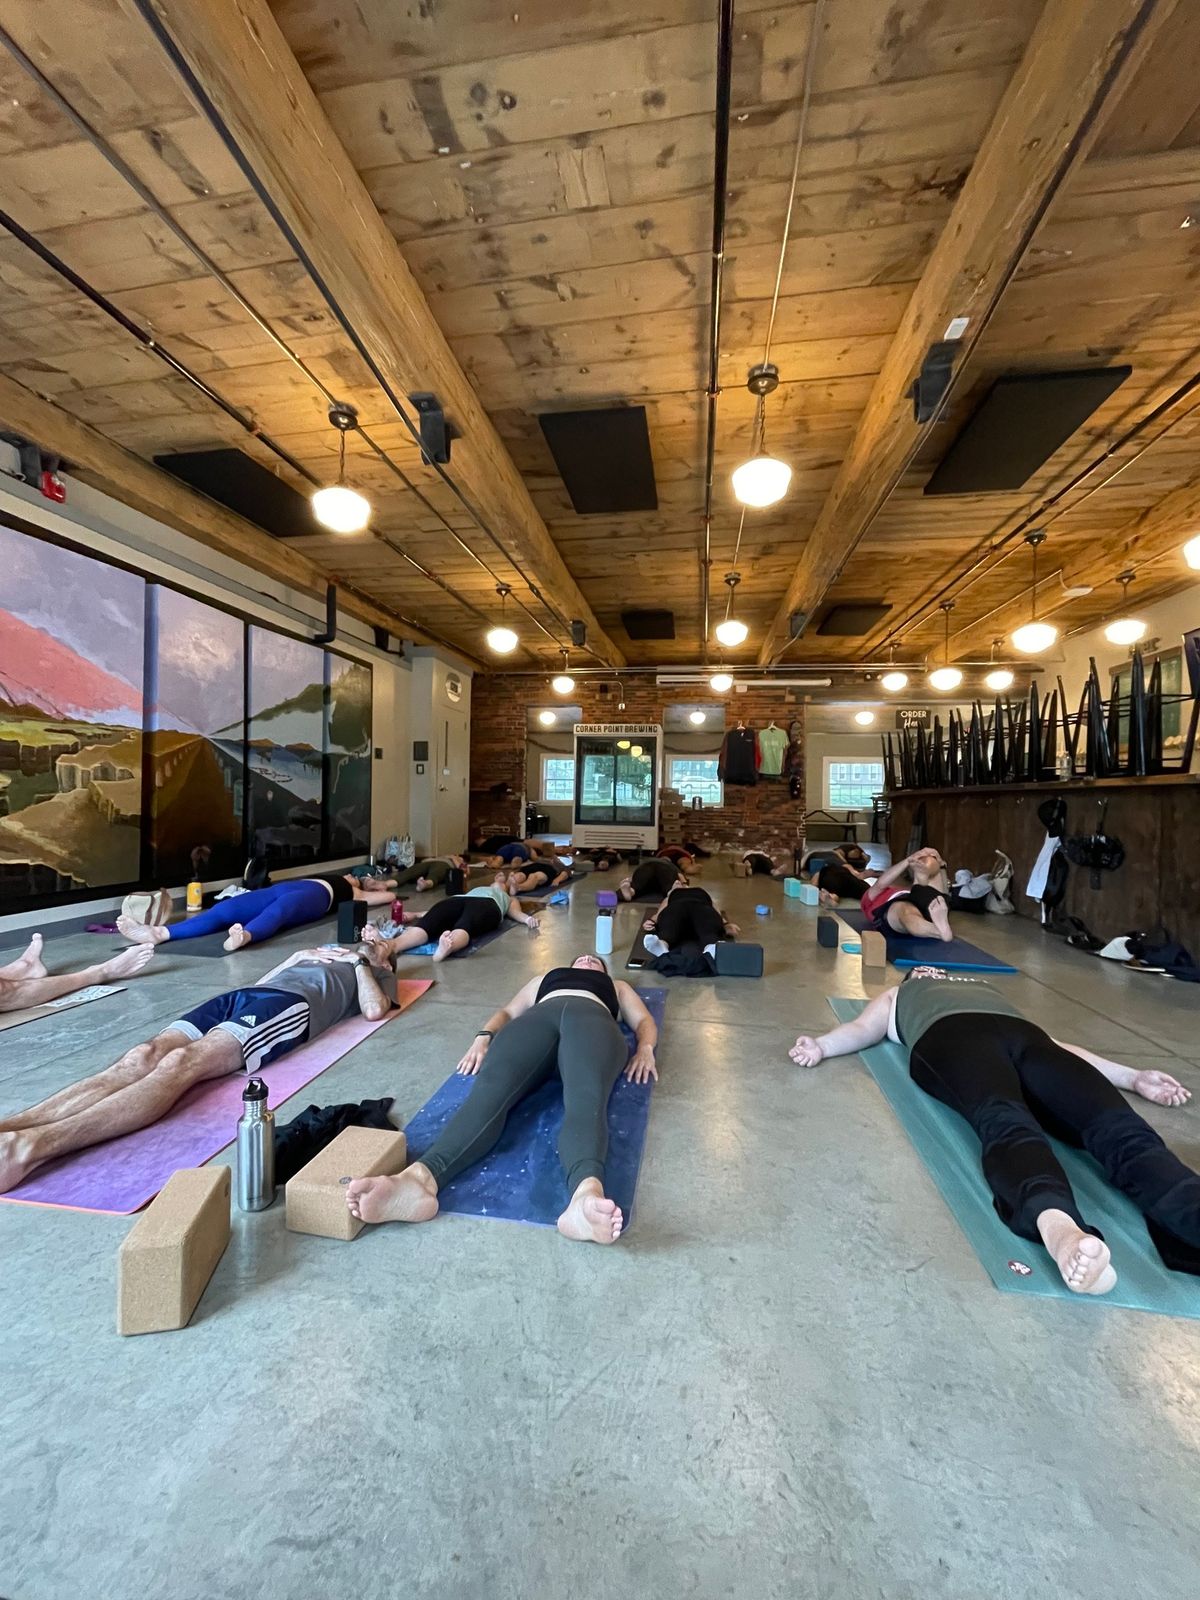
316 1196
170 1253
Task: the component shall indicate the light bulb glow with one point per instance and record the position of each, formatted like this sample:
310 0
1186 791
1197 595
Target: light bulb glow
720 682
562 684
999 680
547 718
1191 552
696 718
761 481
945 679
864 718
732 632
1125 630
635 749
502 640
893 682
622 744
1034 637
340 509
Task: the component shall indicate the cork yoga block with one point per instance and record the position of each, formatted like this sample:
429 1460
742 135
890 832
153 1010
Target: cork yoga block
170 1253
316 1196
874 949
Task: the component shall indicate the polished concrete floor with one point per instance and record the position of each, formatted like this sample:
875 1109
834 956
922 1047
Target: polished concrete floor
791 1378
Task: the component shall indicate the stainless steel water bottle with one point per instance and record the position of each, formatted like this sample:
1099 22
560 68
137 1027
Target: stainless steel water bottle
255 1149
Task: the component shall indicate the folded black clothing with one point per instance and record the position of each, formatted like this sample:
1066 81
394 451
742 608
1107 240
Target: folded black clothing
299 1140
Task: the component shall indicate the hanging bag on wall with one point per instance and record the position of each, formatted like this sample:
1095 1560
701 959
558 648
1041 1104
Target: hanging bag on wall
999 897
1098 852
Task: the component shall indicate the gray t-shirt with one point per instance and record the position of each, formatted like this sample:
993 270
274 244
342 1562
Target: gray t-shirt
331 990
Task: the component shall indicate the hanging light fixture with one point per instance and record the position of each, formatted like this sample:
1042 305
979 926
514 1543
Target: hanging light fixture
720 682
564 682
502 639
1191 552
763 479
946 677
864 718
622 744
1125 629
635 749
696 718
547 718
893 680
731 631
999 678
1034 636
336 507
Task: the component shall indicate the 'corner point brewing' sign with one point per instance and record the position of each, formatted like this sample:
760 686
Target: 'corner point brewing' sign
587 728
913 717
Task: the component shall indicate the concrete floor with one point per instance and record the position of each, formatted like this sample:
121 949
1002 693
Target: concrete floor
792 1378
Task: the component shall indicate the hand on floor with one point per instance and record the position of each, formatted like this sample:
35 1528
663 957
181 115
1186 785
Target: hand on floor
642 1067
807 1052
1162 1088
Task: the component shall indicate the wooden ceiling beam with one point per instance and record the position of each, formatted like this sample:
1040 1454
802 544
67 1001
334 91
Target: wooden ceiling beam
1078 60
244 65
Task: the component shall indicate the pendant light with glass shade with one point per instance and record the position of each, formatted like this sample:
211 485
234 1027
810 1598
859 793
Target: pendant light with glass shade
547 718
730 631
864 718
763 479
893 679
1191 552
999 678
946 677
696 718
502 639
564 682
338 507
1125 629
1033 636
720 682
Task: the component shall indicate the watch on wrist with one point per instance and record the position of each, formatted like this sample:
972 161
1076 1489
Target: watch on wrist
361 961
485 1033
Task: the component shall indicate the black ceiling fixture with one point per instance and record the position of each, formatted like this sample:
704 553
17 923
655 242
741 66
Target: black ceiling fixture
852 618
603 457
649 624
244 485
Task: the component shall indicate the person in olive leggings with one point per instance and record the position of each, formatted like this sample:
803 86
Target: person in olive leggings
564 1023
971 1048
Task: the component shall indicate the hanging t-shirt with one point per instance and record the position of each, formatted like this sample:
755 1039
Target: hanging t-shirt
739 758
772 747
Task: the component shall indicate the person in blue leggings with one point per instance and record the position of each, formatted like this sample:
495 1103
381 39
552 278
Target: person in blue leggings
261 913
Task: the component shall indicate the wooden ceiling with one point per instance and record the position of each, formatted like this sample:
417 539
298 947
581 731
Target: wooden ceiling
546 174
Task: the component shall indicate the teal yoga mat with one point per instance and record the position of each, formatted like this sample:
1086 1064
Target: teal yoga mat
948 1147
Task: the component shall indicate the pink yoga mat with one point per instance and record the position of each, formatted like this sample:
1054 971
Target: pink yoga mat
122 1175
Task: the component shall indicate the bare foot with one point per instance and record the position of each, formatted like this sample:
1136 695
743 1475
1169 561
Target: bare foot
236 938
29 964
591 1217
445 947
140 933
423 884
129 963
940 918
15 1163
410 1196
826 898
1081 1258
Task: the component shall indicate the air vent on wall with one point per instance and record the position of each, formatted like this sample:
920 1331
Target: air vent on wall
851 618
1018 425
649 624
603 458
245 486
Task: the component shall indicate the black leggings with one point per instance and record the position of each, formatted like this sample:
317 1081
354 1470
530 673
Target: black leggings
567 1034
759 863
1014 1085
653 877
839 880
689 919
474 913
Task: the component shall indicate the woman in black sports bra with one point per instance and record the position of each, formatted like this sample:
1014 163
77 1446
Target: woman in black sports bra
566 1022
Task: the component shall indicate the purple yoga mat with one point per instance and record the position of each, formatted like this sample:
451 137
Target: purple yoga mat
122 1175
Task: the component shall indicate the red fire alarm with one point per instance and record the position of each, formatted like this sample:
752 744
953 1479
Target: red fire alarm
53 487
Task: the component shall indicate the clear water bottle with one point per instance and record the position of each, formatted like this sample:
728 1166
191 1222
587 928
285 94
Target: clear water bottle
604 933
255 1149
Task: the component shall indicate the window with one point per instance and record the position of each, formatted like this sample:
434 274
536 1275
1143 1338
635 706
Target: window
558 779
849 785
693 776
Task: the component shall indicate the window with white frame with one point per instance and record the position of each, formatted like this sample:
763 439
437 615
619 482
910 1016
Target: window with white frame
849 785
558 779
696 775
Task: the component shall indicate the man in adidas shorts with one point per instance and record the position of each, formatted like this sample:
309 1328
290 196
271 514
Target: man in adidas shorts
241 1030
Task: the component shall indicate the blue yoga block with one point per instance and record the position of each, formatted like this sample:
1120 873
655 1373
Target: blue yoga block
792 888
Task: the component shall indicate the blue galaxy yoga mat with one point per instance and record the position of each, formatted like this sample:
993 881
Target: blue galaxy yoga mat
956 956
475 944
520 1180
950 1150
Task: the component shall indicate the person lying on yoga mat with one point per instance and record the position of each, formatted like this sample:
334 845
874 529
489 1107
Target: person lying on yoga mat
436 870
515 854
682 856
25 983
242 1029
969 1047
763 865
564 1023
537 874
844 875
251 918
654 876
917 910
687 916
456 920
602 860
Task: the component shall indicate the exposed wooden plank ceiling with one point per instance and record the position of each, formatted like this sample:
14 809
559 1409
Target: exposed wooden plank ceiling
547 177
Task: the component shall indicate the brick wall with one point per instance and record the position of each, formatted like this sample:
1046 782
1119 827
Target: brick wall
765 815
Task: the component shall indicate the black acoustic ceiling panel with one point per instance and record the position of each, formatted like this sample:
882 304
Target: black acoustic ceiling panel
649 624
1018 425
850 618
245 486
603 458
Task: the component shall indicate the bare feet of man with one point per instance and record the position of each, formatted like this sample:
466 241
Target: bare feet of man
591 1217
15 1161
128 964
1082 1259
29 963
940 917
410 1196
140 932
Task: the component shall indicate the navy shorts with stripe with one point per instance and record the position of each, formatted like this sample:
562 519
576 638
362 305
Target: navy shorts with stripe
267 1023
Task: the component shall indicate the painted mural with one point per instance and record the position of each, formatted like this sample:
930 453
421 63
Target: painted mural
348 753
71 710
284 749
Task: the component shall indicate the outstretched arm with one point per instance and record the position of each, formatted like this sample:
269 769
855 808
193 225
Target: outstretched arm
520 1002
868 1028
1160 1087
634 1015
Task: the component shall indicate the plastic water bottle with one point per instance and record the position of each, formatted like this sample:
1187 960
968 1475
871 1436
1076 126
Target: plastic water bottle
604 933
255 1149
